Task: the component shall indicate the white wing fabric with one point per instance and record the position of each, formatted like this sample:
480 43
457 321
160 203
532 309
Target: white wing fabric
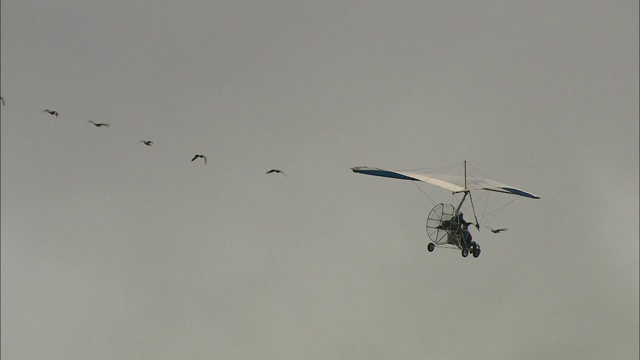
449 182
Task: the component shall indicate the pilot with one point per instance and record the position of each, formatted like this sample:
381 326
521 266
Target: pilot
462 221
464 227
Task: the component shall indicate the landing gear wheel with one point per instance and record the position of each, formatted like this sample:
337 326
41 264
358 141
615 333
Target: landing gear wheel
476 252
465 252
431 246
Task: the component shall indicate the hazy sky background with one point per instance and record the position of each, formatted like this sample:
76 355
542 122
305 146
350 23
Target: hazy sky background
115 250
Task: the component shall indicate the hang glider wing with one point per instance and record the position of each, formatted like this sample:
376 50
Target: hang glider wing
450 182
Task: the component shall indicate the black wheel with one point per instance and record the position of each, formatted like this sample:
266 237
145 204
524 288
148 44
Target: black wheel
465 252
431 246
476 252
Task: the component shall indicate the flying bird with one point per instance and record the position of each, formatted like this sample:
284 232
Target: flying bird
99 124
52 112
147 142
497 231
200 156
276 171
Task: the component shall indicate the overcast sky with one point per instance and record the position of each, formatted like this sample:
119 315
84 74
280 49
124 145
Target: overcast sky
115 250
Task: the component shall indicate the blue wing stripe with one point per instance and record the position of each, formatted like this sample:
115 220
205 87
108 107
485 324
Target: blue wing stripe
520 192
380 172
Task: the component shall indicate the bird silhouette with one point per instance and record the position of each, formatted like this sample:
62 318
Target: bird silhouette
99 124
147 142
200 156
51 112
497 231
276 171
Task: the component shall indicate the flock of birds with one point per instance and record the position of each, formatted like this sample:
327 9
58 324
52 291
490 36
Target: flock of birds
196 156
146 142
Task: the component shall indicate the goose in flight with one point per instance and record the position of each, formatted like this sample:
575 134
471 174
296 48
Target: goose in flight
147 142
200 156
99 124
51 112
276 171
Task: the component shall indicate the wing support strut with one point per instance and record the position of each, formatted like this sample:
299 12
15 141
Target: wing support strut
464 196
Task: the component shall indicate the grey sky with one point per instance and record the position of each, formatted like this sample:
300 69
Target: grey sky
112 249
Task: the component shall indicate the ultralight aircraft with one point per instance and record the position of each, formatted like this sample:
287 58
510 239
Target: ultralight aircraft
446 226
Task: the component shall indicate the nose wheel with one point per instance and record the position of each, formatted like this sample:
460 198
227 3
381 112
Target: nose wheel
474 249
